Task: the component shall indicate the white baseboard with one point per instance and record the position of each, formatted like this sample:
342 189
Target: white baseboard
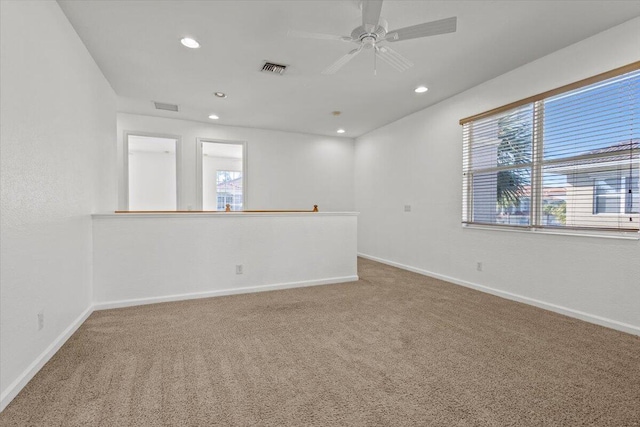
232 291
591 318
15 387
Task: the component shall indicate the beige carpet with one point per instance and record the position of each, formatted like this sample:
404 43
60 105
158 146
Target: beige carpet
394 348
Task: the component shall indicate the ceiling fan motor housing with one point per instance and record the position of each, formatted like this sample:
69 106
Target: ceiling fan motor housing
361 34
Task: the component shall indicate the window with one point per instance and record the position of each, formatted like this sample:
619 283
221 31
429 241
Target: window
566 159
224 200
151 172
229 190
221 179
614 195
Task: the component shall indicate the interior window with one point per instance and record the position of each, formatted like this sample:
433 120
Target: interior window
222 176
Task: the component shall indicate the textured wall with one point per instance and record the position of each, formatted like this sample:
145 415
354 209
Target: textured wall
597 276
58 166
152 181
164 256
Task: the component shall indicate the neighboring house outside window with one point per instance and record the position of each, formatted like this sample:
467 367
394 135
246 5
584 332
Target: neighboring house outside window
565 160
224 200
608 196
614 195
602 191
229 190
632 195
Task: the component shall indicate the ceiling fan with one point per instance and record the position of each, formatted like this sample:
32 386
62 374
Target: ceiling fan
373 33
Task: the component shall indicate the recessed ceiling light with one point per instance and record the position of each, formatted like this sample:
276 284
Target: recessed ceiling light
341 131
214 117
190 43
220 94
421 89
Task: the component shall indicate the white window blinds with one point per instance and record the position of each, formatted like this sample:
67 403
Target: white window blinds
569 160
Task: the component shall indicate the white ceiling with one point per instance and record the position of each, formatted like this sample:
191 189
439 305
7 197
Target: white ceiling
136 44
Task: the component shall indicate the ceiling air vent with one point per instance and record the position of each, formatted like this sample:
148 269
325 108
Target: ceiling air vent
164 106
270 67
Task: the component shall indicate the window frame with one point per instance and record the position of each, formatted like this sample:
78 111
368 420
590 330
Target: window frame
125 172
538 164
245 180
233 199
225 202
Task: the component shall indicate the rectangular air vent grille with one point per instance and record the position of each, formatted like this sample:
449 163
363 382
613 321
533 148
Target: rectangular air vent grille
270 67
165 106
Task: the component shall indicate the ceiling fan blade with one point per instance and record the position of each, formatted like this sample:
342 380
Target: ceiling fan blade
318 36
432 28
393 58
371 14
331 69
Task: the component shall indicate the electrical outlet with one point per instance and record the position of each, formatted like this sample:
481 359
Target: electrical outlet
479 266
239 269
40 320
407 208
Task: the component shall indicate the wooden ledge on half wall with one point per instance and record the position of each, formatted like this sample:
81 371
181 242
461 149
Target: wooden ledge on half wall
228 209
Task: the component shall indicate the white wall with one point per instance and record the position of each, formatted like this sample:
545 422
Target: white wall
152 180
149 258
57 167
285 170
418 161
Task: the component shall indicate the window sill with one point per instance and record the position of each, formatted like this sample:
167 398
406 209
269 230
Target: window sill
631 235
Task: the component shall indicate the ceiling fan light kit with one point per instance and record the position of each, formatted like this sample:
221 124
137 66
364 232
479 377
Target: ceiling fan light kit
373 35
